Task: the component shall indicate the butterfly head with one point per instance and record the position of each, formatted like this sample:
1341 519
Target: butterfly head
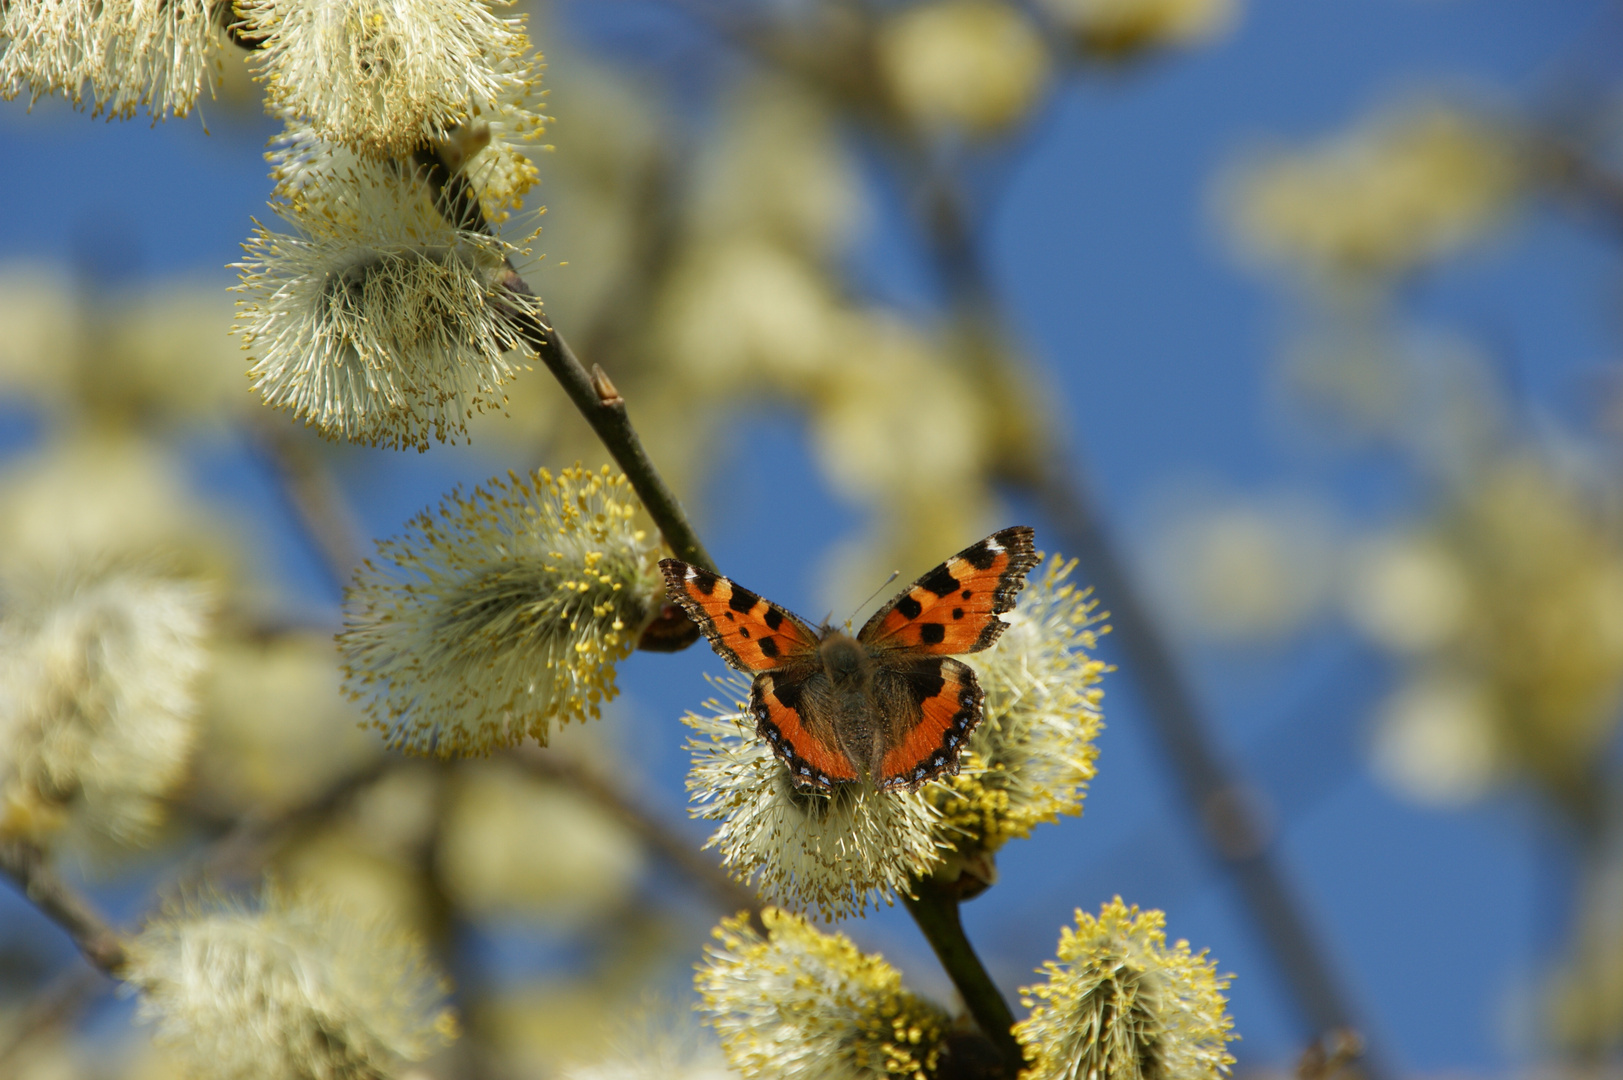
845 660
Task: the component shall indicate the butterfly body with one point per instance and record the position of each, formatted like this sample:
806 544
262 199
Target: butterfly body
886 707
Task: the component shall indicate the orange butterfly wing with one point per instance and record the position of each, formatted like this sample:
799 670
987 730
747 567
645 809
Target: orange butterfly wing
955 607
934 702
809 748
748 632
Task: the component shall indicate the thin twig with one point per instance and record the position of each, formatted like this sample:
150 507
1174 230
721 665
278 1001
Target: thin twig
598 400
314 497
244 847
935 908
26 865
1212 788
1230 826
593 394
49 1009
601 404
666 843
240 848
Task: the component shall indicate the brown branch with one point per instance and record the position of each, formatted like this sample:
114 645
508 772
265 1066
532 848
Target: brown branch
317 502
593 394
245 846
606 413
25 864
604 408
670 846
49 1009
241 848
1212 788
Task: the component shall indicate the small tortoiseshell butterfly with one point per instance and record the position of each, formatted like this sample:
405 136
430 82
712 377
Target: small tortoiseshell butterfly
889 706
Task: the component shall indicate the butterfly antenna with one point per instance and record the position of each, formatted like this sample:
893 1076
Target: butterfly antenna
894 574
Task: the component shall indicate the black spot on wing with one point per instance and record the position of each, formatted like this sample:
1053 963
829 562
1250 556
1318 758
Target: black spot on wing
703 580
924 682
982 555
768 647
969 594
940 581
744 630
773 618
788 694
909 607
958 613
932 633
742 600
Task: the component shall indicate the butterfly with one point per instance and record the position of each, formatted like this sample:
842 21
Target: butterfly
888 707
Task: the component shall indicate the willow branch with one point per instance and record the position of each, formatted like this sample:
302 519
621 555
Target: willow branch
244 847
25 864
1213 790
1217 796
935 908
670 846
600 403
596 398
49 1009
313 495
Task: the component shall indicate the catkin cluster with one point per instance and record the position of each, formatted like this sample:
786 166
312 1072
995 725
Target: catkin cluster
383 315
502 612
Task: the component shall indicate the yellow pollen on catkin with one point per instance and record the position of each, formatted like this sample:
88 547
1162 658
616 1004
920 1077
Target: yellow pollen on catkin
502 614
800 1004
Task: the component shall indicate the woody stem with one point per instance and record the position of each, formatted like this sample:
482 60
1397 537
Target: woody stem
26 866
603 407
935 909
1213 788
597 399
